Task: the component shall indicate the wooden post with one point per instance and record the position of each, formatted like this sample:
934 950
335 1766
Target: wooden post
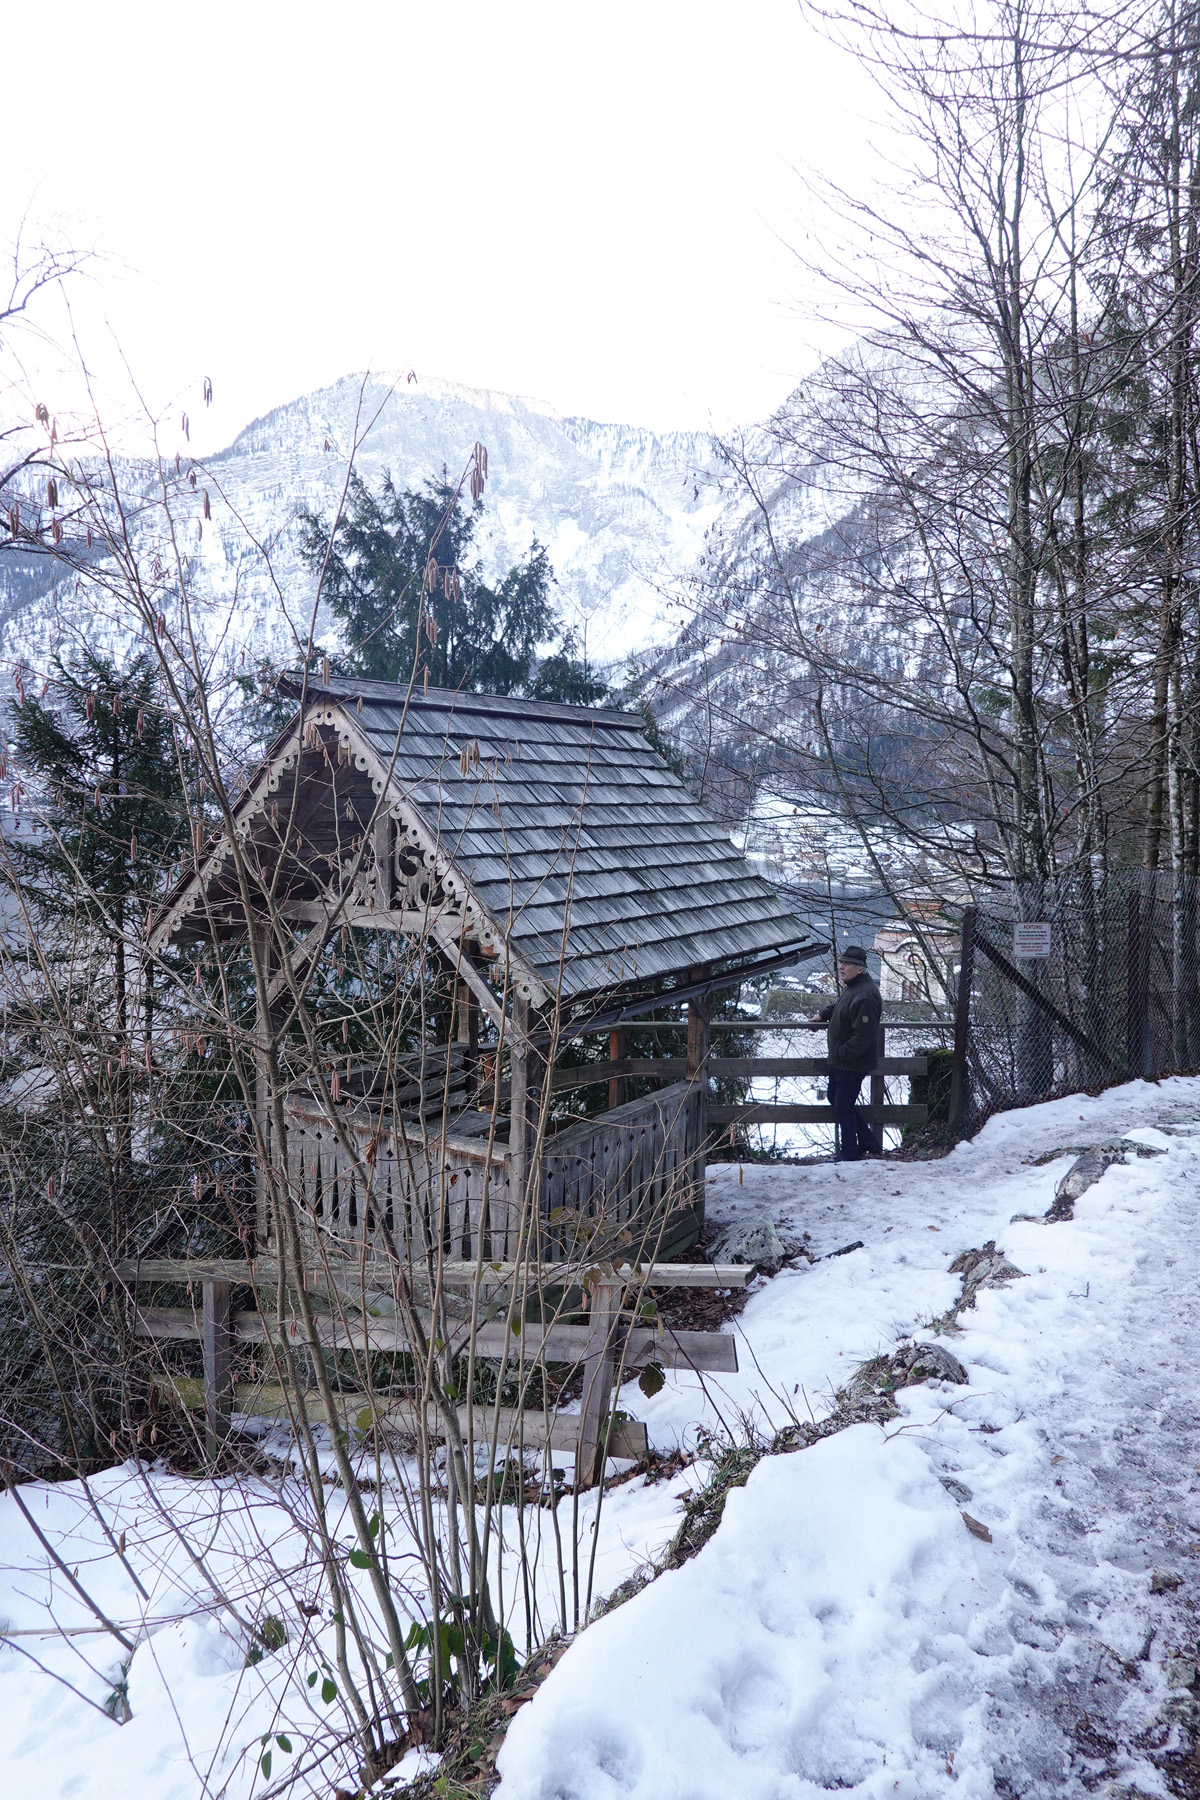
599 1368
217 1346
466 1033
618 1050
699 1013
518 1111
528 1073
962 1022
878 1092
262 1103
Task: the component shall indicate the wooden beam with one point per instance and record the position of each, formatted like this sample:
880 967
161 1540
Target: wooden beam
707 1350
943 1023
408 921
380 1277
761 1025
455 953
752 1067
556 1431
764 1114
748 1068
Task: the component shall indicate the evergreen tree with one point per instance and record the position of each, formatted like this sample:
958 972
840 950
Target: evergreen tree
401 579
97 755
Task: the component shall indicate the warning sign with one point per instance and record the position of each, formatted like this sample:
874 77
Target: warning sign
1031 940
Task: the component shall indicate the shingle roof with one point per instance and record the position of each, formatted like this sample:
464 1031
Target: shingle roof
569 804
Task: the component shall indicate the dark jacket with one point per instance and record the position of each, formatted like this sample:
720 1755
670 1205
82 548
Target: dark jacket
854 1026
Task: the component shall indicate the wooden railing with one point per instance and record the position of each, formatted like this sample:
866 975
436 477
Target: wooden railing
421 1188
407 1187
636 1168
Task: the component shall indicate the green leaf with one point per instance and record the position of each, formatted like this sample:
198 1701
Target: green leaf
516 1326
312 1682
362 1560
652 1380
266 1764
328 1690
389 1661
284 1742
373 1525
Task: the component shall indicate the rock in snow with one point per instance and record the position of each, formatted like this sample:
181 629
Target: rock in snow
1083 1173
751 1240
928 1362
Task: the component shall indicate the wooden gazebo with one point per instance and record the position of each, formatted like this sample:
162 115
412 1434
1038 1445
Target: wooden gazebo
571 883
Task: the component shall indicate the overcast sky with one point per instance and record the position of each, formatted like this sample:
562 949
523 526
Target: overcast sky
591 205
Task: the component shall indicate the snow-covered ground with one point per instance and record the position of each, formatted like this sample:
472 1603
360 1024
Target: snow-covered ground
844 1630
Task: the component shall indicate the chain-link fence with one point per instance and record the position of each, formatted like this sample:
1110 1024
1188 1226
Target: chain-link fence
1076 985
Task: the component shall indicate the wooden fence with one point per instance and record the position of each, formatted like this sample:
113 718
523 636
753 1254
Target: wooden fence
607 1343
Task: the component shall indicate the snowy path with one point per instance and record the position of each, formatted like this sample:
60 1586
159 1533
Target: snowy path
844 1630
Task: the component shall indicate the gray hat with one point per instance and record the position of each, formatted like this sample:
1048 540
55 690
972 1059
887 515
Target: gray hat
853 953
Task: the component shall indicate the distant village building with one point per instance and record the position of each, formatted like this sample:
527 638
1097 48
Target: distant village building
917 967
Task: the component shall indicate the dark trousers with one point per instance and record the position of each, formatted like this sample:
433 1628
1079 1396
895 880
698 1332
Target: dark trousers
856 1134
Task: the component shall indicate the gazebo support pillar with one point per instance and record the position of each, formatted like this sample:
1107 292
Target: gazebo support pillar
528 1074
699 1014
262 1099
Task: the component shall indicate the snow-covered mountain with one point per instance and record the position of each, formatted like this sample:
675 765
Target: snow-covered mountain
622 510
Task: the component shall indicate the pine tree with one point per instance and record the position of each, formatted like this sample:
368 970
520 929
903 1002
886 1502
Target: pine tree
97 756
401 579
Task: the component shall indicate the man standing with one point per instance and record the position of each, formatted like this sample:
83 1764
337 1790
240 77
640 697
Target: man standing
853 1020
